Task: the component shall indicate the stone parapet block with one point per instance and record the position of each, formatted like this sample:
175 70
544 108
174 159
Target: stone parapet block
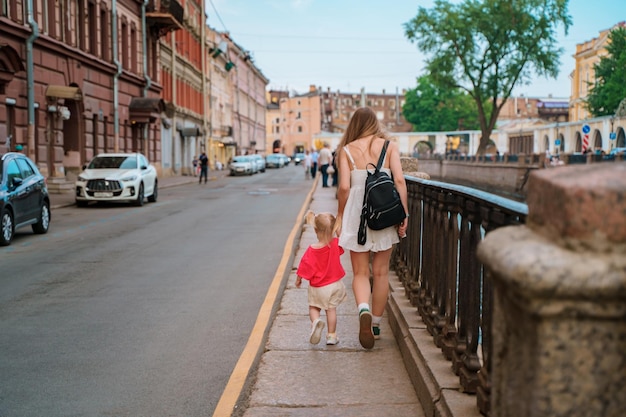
580 207
559 298
559 328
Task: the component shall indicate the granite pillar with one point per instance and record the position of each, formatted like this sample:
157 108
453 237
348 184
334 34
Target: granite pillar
559 317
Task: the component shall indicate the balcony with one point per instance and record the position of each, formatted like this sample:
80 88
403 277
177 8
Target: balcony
164 16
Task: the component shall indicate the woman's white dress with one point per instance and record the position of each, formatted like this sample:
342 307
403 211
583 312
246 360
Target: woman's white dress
377 240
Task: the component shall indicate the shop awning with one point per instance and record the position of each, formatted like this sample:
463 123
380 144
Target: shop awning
62 91
145 109
191 131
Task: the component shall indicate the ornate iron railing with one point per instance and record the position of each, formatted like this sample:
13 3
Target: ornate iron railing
440 271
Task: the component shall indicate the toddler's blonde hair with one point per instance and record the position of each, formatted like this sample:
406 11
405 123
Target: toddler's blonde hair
322 222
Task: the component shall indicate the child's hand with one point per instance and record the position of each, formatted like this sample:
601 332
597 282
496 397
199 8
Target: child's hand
298 282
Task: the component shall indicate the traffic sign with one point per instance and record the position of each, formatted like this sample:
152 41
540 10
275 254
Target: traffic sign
586 129
557 142
612 136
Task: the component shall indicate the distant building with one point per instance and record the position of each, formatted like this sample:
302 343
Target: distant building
339 107
548 109
583 77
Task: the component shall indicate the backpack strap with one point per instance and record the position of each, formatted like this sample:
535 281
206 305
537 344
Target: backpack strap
345 148
383 156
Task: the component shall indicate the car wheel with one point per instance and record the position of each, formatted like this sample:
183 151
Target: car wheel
6 228
155 193
140 196
43 224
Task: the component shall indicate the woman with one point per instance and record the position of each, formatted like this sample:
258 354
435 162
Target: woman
361 144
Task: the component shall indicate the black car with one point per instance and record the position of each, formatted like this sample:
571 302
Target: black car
24 197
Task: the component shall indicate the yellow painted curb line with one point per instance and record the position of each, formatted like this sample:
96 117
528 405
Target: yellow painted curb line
228 400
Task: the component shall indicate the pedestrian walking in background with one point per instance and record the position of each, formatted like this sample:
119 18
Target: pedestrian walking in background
195 166
204 168
314 156
308 163
324 159
321 266
361 144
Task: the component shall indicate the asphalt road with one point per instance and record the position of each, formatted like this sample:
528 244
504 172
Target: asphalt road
141 311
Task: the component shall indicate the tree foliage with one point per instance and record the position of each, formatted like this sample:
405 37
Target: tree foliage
488 47
609 88
430 108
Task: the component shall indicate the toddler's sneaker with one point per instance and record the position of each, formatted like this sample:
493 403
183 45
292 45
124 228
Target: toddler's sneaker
366 337
316 331
376 331
332 340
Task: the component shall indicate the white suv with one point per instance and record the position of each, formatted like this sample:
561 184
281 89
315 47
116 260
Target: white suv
117 177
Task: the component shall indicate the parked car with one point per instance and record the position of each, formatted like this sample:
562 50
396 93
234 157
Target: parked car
117 177
618 151
298 157
242 165
24 199
259 161
275 160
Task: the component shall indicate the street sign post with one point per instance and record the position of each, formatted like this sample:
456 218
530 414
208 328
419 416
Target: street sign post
586 130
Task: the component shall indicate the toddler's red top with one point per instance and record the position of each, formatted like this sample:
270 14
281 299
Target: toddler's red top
322 266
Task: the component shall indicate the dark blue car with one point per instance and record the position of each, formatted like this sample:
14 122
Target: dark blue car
24 197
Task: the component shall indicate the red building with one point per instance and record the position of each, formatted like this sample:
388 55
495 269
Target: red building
79 77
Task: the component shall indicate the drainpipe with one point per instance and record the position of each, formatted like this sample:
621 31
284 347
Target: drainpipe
208 141
31 81
116 114
145 49
144 42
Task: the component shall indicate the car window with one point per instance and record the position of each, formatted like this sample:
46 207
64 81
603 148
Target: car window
129 163
13 171
107 162
25 168
143 162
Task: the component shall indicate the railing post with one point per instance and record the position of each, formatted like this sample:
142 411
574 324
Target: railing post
559 297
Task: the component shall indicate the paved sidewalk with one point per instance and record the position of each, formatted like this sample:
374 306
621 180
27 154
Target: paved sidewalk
297 379
67 199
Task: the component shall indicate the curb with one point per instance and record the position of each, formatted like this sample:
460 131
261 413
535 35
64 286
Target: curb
438 388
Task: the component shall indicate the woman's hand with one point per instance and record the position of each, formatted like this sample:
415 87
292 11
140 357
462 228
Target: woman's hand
337 227
402 227
298 282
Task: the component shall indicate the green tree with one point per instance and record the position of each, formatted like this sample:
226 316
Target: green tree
430 108
488 47
609 88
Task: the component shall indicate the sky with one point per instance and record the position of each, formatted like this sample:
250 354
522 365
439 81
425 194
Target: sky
348 45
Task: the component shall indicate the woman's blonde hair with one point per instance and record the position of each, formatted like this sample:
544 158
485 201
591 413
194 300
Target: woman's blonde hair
363 123
322 222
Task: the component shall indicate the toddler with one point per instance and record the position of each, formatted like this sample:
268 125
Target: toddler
321 266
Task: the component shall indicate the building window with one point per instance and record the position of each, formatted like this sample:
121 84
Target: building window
104 35
81 41
133 49
124 39
299 129
277 129
93 29
298 116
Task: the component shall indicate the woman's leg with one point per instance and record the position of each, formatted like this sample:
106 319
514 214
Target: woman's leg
380 289
361 281
362 291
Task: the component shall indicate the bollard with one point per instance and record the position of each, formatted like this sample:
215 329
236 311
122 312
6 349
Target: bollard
559 291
